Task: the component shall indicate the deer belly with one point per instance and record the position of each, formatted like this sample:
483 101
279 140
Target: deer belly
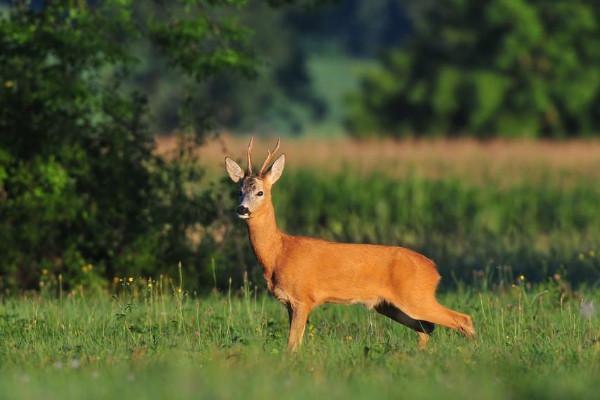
350 290
367 301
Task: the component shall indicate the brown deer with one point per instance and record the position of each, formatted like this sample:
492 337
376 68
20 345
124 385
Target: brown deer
304 272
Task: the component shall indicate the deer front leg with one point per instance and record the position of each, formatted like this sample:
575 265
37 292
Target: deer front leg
298 314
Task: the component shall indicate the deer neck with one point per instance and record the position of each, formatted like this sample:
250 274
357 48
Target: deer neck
265 237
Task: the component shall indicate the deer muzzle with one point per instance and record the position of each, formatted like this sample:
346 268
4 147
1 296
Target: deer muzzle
243 212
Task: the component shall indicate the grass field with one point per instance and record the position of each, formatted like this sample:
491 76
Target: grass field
513 226
534 342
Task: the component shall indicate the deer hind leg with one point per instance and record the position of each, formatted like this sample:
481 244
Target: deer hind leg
298 314
423 328
434 312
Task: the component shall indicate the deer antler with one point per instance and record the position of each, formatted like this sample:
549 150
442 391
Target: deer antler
269 158
249 173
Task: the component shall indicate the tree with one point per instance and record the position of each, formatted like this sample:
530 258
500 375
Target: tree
79 182
488 68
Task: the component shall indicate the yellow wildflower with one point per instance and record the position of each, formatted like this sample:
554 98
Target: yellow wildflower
592 253
130 279
116 280
522 277
581 256
44 272
8 84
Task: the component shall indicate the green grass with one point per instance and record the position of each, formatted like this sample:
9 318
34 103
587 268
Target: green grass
533 342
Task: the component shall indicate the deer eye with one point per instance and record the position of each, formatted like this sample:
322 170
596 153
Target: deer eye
259 193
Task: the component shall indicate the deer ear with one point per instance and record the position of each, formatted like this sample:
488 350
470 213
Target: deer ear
233 169
276 169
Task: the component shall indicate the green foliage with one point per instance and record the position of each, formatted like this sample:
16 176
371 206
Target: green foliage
534 342
79 183
492 68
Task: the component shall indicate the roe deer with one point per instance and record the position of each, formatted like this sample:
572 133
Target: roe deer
303 272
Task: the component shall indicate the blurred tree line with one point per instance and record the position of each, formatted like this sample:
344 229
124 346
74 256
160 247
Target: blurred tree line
487 68
509 68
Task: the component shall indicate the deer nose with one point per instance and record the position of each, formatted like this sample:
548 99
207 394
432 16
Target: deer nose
241 210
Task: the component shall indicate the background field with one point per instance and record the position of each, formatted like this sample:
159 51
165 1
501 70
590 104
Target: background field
471 160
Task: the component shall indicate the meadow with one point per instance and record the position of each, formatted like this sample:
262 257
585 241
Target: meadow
513 227
147 342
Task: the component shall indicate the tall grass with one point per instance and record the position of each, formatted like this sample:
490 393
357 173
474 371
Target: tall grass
533 341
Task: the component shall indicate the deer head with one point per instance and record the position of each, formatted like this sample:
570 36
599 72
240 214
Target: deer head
255 190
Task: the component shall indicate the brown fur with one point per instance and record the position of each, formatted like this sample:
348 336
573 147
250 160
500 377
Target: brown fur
304 272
